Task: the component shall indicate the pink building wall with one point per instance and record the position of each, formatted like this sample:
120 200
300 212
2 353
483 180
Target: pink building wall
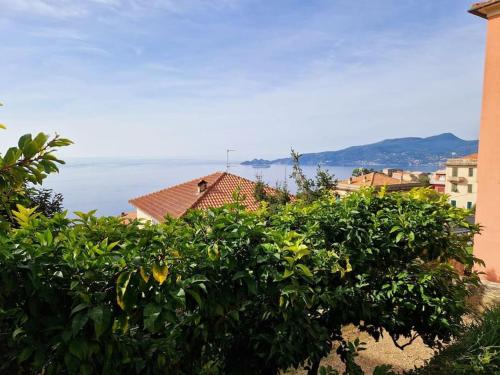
487 245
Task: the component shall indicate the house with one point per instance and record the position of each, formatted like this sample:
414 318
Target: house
461 181
214 190
376 180
408 176
438 180
487 244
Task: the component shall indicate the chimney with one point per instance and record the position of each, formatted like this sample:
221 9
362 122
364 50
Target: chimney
202 186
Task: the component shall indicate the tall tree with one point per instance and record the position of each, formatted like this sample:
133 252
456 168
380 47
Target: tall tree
310 189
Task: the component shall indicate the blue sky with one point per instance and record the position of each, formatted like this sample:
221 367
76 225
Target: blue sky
190 78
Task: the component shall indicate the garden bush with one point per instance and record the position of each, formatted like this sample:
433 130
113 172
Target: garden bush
227 291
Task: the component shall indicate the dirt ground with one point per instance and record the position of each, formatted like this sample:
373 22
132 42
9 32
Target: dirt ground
385 352
378 353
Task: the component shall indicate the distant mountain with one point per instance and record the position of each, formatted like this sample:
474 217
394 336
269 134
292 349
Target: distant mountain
411 151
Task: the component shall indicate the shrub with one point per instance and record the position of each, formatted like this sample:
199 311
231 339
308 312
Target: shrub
222 291
225 290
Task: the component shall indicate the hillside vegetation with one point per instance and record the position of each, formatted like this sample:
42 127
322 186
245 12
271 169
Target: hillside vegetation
410 151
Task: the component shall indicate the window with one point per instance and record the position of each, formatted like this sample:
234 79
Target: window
469 205
454 188
453 203
454 172
469 188
471 172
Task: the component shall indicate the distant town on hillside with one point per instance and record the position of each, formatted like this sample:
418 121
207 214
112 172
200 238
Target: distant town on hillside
410 151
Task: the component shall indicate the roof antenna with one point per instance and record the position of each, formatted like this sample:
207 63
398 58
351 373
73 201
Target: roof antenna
228 165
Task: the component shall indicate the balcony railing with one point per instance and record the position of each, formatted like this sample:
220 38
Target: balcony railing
457 180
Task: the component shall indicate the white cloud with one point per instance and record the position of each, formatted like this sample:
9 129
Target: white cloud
50 8
348 89
71 8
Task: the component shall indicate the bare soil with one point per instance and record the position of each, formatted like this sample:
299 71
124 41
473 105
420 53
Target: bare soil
378 353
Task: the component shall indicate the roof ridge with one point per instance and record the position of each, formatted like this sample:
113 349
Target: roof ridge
209 188
246 179
177 185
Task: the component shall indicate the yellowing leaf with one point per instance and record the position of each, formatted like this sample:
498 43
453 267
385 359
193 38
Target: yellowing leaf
287 273
144 276
305 270
348 267
24 215
2 126
160 273
121 288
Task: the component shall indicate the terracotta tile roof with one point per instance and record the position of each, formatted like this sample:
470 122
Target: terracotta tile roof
177 200
467 160
470 157
374 179
479 8
127 217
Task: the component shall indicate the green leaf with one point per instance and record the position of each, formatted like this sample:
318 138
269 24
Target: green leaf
12 155
399 237
78 348
59 142
143 274
80 307
151 314
24 140
30 149
287 273
40 139
17 332
25 354
101 317
306 271
79 322
196 296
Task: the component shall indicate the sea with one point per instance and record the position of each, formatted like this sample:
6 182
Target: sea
106 185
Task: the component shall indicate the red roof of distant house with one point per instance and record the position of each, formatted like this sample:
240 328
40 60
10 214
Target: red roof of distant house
128 217
374 179
177 200
470 157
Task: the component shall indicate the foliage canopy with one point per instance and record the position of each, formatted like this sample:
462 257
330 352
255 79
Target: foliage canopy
224 291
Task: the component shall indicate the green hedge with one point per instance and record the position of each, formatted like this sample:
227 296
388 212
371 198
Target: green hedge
226 290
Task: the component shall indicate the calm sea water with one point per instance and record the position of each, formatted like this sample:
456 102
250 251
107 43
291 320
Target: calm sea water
107 184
